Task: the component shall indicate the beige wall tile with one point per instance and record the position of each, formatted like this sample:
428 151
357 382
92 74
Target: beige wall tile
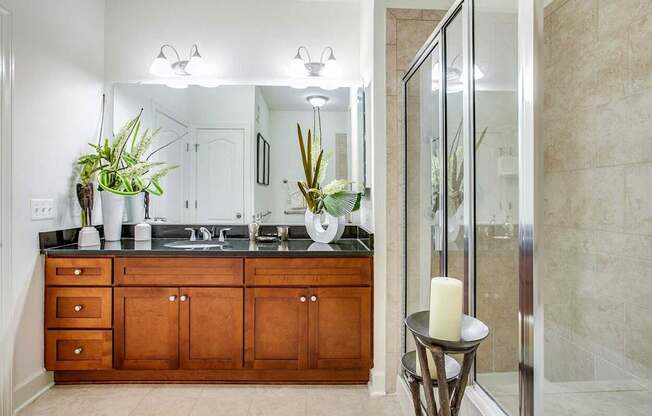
638 199
640 53
410 36
412 14
390 33
637 335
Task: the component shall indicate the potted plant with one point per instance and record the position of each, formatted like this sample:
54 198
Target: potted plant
123 171
328 205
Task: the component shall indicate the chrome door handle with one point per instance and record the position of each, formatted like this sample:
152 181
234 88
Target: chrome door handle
313 298
238 215
302 298
172 298
183 298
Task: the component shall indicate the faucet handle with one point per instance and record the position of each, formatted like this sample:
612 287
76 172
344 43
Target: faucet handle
193 236
222 237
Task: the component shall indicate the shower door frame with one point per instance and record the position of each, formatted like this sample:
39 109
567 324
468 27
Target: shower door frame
530 56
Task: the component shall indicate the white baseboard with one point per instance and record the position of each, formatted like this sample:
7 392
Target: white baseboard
376 383
475 402
31 389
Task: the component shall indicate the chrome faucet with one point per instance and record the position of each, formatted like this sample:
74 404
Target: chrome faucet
205 234
222 237
193 236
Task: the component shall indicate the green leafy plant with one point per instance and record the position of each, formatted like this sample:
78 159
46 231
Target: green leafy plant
336 198
120 168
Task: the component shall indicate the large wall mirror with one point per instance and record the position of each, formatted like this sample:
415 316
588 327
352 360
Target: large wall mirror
213 135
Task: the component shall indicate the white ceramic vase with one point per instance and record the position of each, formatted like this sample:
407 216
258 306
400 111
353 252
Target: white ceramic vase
324 228
113 207
136 208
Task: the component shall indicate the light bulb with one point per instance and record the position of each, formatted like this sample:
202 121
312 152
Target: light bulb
196 64
298 66
161 66
331 67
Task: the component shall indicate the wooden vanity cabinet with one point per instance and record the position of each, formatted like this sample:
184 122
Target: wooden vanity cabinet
194 319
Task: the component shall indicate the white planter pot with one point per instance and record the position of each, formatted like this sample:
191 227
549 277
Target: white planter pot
113 207
324 228
136 208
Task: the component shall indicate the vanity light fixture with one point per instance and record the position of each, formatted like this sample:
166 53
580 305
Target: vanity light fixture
162 67
302 64
317 101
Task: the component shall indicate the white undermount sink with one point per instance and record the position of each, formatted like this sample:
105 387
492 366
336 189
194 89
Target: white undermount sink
186 244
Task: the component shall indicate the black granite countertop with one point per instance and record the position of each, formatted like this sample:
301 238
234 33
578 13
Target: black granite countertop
234 248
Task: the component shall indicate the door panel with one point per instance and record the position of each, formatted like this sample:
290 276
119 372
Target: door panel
146 328
276 328
220 176
172 204
211 331
340 327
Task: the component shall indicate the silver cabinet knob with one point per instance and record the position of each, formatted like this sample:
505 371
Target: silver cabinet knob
238 215
302 298
78 350
172 298
77 272
183 298
313 298
79 308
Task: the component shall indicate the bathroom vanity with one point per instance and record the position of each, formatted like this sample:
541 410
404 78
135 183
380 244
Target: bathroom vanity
253 313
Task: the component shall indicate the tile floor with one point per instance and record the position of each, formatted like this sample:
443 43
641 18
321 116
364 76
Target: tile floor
214 400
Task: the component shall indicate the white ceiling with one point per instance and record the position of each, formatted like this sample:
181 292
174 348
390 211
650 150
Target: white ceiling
291 99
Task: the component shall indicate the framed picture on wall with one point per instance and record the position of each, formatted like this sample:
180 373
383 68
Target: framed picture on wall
262 160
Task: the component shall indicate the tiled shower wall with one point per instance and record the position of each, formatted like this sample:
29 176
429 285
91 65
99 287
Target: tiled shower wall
598 190
406 31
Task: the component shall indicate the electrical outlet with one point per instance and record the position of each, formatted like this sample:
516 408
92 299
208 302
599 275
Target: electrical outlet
42 209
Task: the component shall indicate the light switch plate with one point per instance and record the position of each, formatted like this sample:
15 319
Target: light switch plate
42 209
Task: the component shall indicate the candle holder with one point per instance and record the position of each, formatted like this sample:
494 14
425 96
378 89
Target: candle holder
473 332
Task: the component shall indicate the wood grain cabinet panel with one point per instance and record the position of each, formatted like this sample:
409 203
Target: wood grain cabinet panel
78 350
178 271
78 307
340 328
146 328
276 328
78 272
211 328
308 272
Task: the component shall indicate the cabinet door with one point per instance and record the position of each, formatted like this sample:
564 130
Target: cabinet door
276 328
340 327
211 328
146 328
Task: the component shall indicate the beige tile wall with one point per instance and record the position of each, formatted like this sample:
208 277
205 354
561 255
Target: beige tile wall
406 32
598 190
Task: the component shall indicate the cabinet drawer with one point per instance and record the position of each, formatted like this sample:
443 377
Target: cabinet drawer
178 271
308 272
78 307
78 350
78 272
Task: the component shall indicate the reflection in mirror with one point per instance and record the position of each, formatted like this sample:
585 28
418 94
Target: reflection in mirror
211 134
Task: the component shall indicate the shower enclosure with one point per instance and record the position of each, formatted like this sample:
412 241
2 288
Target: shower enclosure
551 237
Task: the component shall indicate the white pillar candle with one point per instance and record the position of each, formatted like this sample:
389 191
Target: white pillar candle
446 295
431 366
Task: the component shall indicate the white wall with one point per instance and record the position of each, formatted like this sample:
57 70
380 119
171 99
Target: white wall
285 159
59 73
246 41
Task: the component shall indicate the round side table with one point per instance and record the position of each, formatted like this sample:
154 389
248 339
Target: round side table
473 332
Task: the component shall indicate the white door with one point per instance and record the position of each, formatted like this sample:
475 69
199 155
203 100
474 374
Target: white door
220 176
175 135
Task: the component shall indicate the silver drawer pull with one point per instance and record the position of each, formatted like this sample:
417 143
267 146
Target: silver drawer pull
302 298
172 298
78 350
313 298
183 298
79 308
77 272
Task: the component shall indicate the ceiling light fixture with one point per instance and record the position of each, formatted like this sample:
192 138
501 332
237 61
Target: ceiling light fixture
162 67
302 64
317 101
